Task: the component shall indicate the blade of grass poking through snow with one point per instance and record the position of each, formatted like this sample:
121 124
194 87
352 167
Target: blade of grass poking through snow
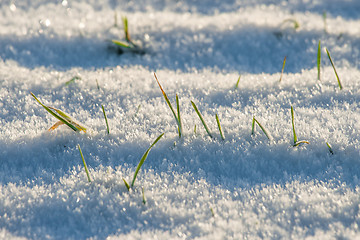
55 115
296 142
219 126
201 118
330 148
143 158
177 118
282 69
121 44
126 184
86 169
126 29
72 80
237 83
332 63
296 23
143 196
97 84
178 112
106 120
262 128
319 59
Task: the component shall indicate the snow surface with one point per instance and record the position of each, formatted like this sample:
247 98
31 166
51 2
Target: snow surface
256 189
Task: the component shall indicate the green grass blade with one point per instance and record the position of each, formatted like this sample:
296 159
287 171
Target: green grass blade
300 142
219 126
170 106
330 148
237 83
282 69
126 29
55 115
143 158
86 169
262 128
201 118
332 63
72 80
179 118
212 212
195 129
319 59
293 124
106 120
69 119
97 84
126 184
143 196
121 44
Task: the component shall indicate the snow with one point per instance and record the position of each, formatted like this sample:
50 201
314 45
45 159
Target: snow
245 187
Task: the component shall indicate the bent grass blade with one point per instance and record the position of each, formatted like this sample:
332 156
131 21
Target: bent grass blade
85 166
219 126
126 184
61 117
177 118
296 142
262 128
143 158
202 120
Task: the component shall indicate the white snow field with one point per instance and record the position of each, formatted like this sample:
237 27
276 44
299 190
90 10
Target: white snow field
195 187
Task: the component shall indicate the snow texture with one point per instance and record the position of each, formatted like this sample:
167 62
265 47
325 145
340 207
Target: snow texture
196 187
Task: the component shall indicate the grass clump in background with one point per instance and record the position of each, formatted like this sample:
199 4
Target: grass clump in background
62 117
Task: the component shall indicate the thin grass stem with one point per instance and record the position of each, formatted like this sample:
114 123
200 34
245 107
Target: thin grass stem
330 148
85 166
282 69
262 128
202 120
179 118
332 63
319 59
106 120
126 184
219 126
237 83
143 158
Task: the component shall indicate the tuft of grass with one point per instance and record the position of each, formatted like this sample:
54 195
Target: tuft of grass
143 196
143 158
296 142
293 21
202 120
62 117
330 148
72 80
332 63
282 69
319 59
106 120
237 83
219 126
85 166
262 128
195 129
177 118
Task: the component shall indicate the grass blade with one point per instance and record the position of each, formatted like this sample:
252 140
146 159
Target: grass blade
319 59
106 120
300 142
72 80
126 29
143 158
262 128
332 63
201 118
126 184
97 84
219 126
69 119
296 23
237 83
121 43
55 115
86 169
170 106
293 125
330 148
179 118
282 69
143 196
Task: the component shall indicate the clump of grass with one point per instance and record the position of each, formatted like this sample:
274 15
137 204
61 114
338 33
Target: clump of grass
332 63
128 44
296 142
219 126
85 166
62 117
72 80
330 148
202 120
177 118
106 120
237 83
262 128
282 69
319 59
141 162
